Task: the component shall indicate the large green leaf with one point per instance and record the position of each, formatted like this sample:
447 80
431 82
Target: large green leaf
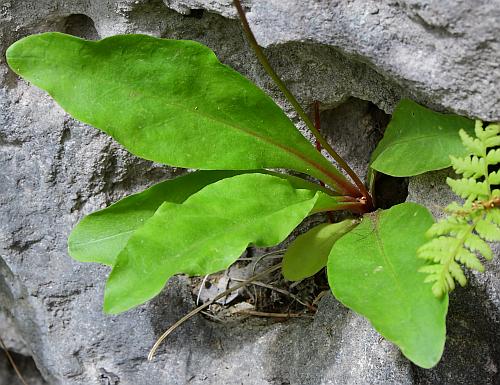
100 236
418 140
373 269
309 252
205 234
170 101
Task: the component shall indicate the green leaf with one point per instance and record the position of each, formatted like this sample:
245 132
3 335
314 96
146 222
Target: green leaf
308 253
493 156
170 101
418 140
473 146
469 188
470 167
100 236
475 243
488 230
205 234
373 270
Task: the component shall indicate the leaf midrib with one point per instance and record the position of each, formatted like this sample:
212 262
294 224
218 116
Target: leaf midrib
104 238
258 136
413 139
388 263
185 109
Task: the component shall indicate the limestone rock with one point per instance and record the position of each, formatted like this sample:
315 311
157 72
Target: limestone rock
352 56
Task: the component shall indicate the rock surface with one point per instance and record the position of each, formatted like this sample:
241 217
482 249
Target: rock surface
442 52
55 170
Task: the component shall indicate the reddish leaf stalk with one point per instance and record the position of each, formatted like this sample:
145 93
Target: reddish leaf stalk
358 207
317 124
359 190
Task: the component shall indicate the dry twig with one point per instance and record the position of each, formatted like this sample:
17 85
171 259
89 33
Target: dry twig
282 291
11 360
201 288
319 296
272 315
207 304
271 253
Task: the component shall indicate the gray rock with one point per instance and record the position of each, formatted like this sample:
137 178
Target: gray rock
443 53
55 170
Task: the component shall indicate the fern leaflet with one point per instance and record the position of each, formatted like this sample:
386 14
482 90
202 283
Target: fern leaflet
460 238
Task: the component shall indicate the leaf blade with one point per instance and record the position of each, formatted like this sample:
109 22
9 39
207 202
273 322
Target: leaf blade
168 101
373 270
205 234
308 253
100 236
418 140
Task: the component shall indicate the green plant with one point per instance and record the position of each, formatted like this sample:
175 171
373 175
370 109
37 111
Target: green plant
458 238
173 102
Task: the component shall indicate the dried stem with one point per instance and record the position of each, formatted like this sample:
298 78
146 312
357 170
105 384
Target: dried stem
282 291
317 124
207 304
271 315
12 362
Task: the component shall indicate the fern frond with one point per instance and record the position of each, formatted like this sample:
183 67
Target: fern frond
457 273
444 277
453 207
486 133
458 210
493 216
438 250
451 225
470 260
443 281
461 238
493 142
489 134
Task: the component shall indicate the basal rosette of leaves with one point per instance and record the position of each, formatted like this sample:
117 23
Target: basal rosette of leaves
173 102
